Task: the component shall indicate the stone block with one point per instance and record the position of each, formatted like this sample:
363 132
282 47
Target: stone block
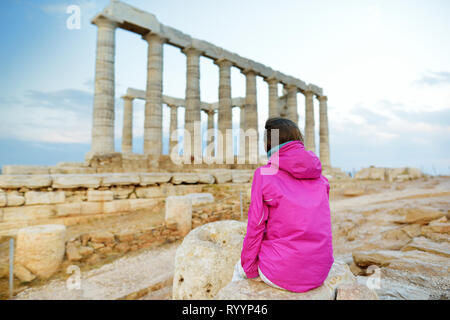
25 169
73 181
222 176
241 176
11 214
142 204
46 197
3 199
184 177
14 199
116 206
41 249
68 209
97 195
120 179
154 178
102 237
150 192
91 208
206 178
25 181
179 210
200 198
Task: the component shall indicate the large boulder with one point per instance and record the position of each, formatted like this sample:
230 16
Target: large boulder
40 249
339 276
204 262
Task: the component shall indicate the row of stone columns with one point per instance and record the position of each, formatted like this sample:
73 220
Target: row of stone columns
103 120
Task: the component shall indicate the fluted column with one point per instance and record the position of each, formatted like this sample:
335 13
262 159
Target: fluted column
153 103
310 142
127 129
173 144
324 133
292 112
225 151
104 92
273 97
251 111
192 115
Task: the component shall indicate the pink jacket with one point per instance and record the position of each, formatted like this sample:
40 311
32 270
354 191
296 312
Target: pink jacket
289 225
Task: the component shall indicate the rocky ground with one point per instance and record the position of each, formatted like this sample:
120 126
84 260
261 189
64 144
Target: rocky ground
399 230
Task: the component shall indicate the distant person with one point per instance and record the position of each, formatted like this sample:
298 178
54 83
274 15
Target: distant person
288 243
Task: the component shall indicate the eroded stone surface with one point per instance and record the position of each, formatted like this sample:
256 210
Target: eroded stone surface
205 260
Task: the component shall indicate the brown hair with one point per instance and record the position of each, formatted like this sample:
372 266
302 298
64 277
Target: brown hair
287 131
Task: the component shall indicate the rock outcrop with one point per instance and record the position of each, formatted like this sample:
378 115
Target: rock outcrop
339 276
205 260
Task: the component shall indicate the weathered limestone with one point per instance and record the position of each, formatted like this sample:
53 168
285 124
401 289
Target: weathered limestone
154 178
225 147
37 197
324 144
193 145
310 138
241 176
153 103
40 249
27 181
173 143
292 112
419 215
103 115
127 132
179 212
204 261
120 179
184 177
76 181
339 275
200 198
24 169
97 195
355 291
273 97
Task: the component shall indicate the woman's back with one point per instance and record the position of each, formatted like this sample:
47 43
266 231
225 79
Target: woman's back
290 206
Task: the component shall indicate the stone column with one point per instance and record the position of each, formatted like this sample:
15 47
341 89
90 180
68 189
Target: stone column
192 115
153 103
273 97
310 142
251 110
242 126
173 144
292 112
127 131
210 137
225 113
324 133
104 92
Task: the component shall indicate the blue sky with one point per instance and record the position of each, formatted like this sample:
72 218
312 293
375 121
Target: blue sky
383 64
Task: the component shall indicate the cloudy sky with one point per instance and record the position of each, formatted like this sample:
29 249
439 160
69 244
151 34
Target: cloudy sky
384 65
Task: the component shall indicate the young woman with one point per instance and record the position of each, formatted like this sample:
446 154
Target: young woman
288 242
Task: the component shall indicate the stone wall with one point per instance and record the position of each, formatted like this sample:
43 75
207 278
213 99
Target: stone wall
72 199
123 163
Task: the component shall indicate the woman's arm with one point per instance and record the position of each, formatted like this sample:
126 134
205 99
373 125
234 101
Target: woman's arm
257 217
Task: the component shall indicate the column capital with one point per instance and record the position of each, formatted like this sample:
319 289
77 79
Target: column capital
272 80
249 71
127 97
153 36
291 87
104 21
171 105
222 62
190 50
307 92
322 98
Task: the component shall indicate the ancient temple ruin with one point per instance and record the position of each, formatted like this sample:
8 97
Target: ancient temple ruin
120 15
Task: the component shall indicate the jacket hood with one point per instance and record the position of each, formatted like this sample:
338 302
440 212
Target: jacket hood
296 160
